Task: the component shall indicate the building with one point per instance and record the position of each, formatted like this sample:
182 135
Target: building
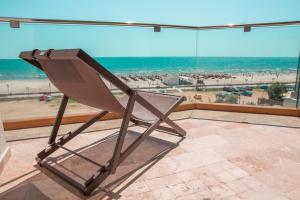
171 80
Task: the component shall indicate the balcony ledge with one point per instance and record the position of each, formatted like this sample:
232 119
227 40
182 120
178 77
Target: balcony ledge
14 124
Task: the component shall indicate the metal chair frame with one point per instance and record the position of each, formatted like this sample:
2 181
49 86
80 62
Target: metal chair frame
118 156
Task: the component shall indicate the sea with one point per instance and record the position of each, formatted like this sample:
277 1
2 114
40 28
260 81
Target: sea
14 69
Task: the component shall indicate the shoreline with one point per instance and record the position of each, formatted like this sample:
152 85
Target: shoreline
164 73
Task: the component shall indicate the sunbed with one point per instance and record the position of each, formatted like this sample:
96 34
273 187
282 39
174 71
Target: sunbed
81 78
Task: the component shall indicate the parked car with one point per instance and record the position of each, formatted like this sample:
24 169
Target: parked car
230 89
222 94
290 87
247 93
238 93
249 88
48 98
43 98
264 87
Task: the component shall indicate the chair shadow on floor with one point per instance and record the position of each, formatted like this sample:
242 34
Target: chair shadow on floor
82 163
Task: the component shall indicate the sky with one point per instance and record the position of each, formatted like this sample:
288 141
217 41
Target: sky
128 41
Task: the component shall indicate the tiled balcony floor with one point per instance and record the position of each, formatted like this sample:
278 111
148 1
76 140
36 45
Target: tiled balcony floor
219 159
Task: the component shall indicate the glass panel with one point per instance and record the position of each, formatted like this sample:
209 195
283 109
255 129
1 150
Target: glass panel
249 68
139 56
213 66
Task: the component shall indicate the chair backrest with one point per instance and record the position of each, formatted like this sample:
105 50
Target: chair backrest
76 78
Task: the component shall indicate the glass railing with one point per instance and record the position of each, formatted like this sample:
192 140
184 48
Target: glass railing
249 68
206 66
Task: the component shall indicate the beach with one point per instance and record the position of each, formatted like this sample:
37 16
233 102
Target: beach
145 81
198 79
24 94
33 107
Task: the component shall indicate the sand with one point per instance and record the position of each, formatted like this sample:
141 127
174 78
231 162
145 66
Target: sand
44 85
28 108
32 108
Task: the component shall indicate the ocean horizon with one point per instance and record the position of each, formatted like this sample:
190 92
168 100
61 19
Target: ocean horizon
17 69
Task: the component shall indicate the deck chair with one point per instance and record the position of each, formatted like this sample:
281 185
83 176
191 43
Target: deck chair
79 77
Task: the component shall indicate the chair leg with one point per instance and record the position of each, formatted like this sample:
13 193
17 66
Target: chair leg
59 117
122 134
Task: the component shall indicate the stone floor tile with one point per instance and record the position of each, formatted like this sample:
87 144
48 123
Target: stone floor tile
196 186
171 179
186 176
293 194
163 193
263 192
221 191
180 189
188 197
237 186
136 188
226 177
196 144
226 160
142 196
251 182
155 183
237 172
234 197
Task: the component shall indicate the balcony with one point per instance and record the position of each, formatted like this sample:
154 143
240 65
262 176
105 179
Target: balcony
225 155
243 140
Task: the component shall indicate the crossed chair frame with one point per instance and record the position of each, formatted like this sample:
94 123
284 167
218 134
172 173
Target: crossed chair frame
118 157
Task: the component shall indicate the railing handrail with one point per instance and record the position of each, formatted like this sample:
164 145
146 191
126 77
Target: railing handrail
135 24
